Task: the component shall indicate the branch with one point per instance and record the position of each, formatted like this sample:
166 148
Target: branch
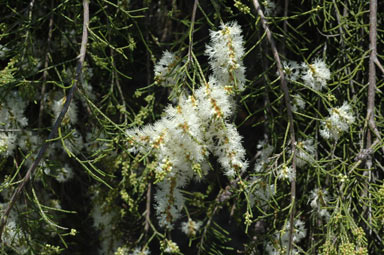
55 127
284 88
371 92
191 30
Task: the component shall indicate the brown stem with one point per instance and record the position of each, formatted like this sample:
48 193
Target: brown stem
55 127
148 208
284 88
371 89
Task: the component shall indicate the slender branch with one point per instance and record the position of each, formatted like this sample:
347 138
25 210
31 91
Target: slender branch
148 208
55 127
192 29
284 88
371 91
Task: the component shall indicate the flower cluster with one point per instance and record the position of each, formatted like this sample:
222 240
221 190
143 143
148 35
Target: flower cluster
338 122
198 126
225 56
316 74
165 70
280 244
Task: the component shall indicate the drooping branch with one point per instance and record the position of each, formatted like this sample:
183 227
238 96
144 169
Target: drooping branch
371 95
58 121
284 88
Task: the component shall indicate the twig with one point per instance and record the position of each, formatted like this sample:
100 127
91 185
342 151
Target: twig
371 91
59 119
284 88
148 208
191 30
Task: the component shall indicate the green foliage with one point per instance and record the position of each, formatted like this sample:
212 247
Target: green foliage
95 192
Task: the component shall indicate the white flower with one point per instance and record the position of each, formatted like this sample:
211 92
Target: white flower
299 232
64 173
316 74
291 70
318 199
7 143
165 70
269 7
170 247
169 202
71 114
140 251
339 121
225 54
190 227
305 151
285 173
298 103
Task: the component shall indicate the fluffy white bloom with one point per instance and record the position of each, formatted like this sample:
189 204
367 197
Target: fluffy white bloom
265 150
213 101
63 174
169 202
140 251
229 150
12 112
269 7
298 103
7 143
225 54
299 232
190 227
262 193
285 173
316 74
71 114
318 200
182 140
3 51
165 74
305 151
171 247
338 122
291 70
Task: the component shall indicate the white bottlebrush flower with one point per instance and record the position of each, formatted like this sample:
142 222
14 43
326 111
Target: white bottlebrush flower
305 151
3 51
7 143
140 251
299 232
169 202
213 101
318 200
225 54
338 122
190 227
71 114
291 70
285 173
12 111
165 70
264 152
269 7
229 150
64 173
171 247
316 75
297 103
